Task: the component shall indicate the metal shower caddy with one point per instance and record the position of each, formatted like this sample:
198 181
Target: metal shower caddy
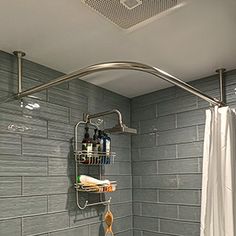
96 158
120 127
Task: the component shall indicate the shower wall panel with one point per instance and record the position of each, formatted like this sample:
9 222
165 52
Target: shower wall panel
37 165
167 157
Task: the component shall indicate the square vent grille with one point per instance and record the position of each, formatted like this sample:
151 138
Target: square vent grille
128 13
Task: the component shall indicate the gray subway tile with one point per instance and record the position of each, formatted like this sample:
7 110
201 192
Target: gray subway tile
61 166
86 89
45 223
144 113
146 233
76 115
9 83
121 209
137 232
48 111
192 181
82 231
120 141
206 84
123 181
150 168
97 229
86 217
194 149
190 118
125 233
175 136
135 154
45 185
60 131
10 227
45 147
13 165
158 124
230 91
137 209
118 168
145 223
11 106
136 181
67 98
10 186
122 224
61 202
201 131
159 210
144 140
159 181
158 153
24 125
230 77
121 195
160 96
145 195
190 197
178 166
10 144
189 213
20 206
122 154
179 228
176 105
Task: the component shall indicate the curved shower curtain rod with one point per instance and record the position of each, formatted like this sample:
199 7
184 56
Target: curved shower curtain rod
124 65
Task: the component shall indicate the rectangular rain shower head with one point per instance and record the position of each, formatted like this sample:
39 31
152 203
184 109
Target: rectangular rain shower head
128 13
121 129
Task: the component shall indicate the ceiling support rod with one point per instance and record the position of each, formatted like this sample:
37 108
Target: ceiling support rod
221 81
19 55
124 65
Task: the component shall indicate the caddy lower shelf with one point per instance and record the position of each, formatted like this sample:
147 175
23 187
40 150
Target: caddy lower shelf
96 188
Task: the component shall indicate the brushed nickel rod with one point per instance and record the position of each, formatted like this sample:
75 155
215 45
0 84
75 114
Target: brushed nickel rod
123 65
221 81
19 55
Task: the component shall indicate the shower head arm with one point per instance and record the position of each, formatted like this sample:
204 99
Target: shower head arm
88 117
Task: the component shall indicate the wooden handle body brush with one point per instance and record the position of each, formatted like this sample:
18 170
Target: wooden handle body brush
109 220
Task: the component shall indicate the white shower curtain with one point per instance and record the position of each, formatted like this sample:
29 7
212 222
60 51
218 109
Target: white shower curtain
218 208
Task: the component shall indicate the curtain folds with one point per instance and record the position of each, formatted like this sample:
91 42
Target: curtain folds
218 208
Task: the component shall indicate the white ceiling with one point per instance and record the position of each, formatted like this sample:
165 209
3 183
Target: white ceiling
189 42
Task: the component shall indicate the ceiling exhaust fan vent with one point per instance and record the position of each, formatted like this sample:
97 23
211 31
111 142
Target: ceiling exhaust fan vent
128 13
131 4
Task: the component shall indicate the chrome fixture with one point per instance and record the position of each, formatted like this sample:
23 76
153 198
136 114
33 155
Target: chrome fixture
123 65
120 128
221 80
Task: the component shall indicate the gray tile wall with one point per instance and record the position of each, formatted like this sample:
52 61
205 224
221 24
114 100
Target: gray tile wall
159 187
36 166
167 158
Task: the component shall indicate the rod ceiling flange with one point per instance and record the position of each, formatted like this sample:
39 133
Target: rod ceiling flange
19 53
220 71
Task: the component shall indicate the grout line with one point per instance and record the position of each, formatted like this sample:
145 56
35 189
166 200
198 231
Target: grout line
22 185
22 225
